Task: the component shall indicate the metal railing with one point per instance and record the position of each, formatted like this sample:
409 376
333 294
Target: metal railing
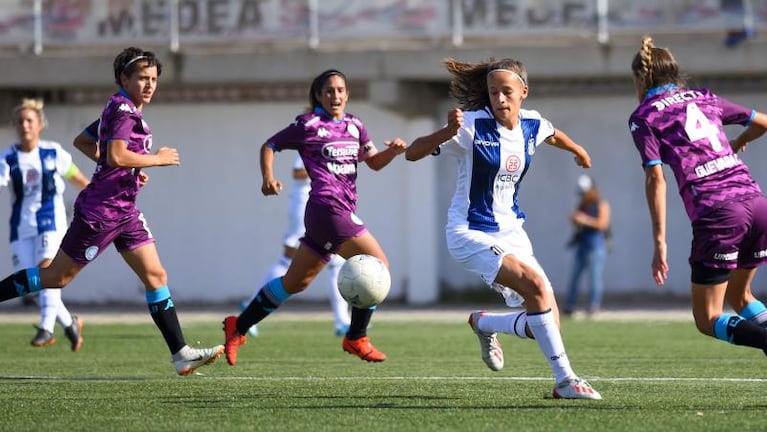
38 25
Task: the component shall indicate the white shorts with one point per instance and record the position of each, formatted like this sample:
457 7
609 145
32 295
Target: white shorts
30 251
482 253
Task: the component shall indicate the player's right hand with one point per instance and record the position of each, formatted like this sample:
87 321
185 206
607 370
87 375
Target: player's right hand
454 120
271 186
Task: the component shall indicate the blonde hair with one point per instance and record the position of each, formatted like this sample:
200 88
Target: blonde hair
469 83
655 66
35 105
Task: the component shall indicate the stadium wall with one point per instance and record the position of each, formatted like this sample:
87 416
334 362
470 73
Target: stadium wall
217 234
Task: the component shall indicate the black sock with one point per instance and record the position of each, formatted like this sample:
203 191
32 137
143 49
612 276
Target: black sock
19 284
164 316
749 334
360 321
268 299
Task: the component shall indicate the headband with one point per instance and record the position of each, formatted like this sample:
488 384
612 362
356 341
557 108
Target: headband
513 74
134 60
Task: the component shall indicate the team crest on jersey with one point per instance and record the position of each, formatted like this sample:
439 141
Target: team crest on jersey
353 130
91 252
49 163
323 133
33 176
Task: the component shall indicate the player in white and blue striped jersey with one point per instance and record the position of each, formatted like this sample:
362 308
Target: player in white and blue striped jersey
34 171
494 140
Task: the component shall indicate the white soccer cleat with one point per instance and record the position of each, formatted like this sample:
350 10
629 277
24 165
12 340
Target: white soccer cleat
188 359
575 388
492 353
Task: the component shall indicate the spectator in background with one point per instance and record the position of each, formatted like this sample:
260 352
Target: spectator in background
591 220
34 170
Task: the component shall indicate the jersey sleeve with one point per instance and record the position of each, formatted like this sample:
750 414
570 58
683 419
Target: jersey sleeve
545 130
733 113
367 147
290 137
117 124
645 141
63 160
5 172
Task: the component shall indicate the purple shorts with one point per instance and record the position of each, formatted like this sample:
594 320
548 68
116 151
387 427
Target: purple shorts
86 239
327 228
732 236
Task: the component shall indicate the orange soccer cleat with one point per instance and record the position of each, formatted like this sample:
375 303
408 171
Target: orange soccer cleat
363 349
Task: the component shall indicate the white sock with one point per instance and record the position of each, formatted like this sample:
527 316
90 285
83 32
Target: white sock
512 323
50 302
546 333
337 303
278 269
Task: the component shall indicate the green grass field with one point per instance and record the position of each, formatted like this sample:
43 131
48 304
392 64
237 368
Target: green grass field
654 376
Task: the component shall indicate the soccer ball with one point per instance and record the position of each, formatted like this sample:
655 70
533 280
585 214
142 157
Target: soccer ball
364 281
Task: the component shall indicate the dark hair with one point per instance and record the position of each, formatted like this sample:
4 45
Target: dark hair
469 83
317 84
127 62
655 67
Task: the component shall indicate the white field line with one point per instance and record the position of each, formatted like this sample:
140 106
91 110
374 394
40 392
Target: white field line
93 315
391 378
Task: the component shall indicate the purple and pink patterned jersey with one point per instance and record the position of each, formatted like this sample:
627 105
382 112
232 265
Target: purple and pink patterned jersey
684 128
331 150
112 191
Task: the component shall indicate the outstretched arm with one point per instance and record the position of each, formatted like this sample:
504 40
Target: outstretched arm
381 159
564 142
754 130
655 191
426 145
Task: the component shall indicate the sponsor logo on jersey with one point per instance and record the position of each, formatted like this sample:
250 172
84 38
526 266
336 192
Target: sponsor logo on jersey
508 178
676 98
125 107
732 256
341 168
760 254
323 133
513 163
485 143
339 151
497 250
531 146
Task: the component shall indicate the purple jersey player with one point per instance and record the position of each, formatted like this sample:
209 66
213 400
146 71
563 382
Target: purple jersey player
684 128
331 143
106 213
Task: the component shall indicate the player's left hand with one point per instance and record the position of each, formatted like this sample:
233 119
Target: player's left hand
143 178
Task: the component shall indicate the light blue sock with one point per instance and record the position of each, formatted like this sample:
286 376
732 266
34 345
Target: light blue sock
755 312
723 326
